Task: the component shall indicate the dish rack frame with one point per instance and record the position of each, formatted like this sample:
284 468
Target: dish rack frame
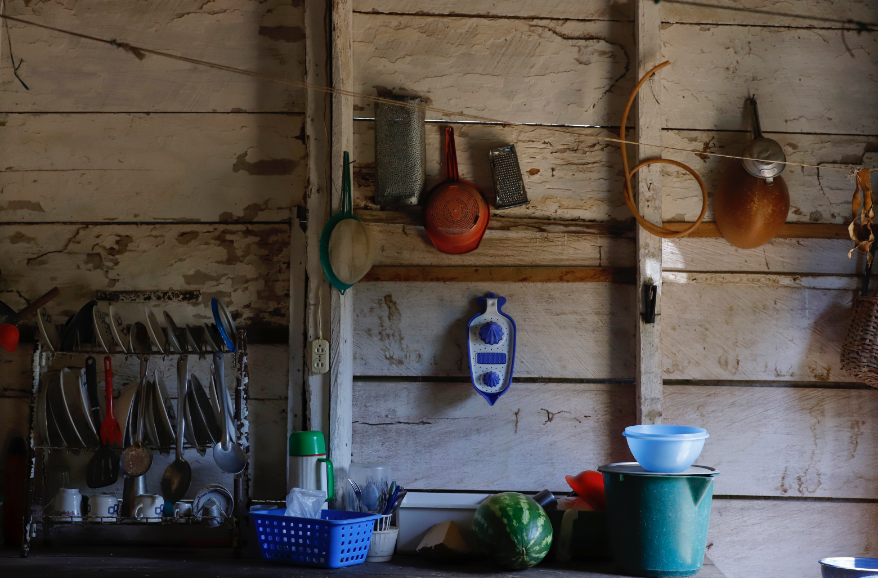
236 523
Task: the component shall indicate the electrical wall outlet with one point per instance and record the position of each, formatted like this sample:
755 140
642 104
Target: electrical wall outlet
319 356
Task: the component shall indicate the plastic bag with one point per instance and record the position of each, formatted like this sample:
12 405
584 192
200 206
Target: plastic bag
305 503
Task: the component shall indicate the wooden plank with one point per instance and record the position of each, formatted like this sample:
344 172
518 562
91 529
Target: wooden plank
826 256
575 330
776 441
141 167
317 304
67 74
501 274
816 195
245 265
508 441
787 538
405 245
812 13
566 9
787 231
523 70
755 327
341 321
807 84
647 185
806 14
567 175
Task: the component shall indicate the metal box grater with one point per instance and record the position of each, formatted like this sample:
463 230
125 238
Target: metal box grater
508 182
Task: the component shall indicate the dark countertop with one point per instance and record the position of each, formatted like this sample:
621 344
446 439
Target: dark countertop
92 562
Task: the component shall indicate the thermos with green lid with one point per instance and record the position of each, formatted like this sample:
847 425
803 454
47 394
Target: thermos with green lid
307 456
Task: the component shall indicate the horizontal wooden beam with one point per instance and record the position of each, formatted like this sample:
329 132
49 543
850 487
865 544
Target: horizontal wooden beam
788 231
503 274
413 217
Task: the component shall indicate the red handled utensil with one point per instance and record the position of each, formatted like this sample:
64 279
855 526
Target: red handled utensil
110 432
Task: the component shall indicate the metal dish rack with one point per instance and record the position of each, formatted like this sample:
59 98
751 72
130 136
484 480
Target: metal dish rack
235 523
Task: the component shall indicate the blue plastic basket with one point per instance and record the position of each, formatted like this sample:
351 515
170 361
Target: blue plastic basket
336 540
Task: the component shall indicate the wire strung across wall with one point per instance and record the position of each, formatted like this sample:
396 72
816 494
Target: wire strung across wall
140 53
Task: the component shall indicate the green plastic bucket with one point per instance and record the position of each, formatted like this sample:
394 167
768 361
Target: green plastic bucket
658 523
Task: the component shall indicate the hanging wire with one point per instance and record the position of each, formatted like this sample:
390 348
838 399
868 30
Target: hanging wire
141 52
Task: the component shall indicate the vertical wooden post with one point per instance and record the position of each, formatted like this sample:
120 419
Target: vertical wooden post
341 351
647 23
308 405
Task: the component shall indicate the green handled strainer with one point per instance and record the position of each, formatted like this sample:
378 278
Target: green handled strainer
345 244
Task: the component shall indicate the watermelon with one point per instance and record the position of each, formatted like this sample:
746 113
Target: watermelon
514 530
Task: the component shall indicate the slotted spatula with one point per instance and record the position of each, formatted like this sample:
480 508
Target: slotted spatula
103 468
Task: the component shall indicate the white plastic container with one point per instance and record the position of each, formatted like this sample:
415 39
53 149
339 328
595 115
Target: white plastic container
420 511
383 541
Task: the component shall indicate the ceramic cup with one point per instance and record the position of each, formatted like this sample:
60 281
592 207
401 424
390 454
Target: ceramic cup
183 512
103 508
68 504
210 514
148 508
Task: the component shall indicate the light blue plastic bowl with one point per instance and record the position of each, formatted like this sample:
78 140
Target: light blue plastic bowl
666 449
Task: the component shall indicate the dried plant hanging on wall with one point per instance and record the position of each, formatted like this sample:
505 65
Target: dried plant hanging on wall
861 232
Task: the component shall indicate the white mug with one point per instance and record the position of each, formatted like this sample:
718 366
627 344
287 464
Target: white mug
183 511
68 504
103 507
148 508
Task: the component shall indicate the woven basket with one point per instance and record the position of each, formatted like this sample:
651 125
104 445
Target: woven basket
859 353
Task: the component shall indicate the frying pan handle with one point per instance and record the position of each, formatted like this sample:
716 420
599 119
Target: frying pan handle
220 370
347 202
450 155
32 308
754 112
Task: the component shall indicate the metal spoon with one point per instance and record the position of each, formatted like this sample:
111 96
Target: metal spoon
178 475
137 458
227 454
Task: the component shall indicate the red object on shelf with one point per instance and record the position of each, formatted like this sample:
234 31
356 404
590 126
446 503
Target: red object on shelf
14 488
589 485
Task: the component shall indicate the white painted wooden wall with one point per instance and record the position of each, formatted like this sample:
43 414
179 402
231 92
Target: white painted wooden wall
120 174
750 340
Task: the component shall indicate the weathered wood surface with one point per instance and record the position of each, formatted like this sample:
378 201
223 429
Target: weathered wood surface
816 81
816 196
341 326
787 230
582 330
67 74
827 256
247 266
513 69
528 440
646 186
137 167
569 176
501 274
566 175
397 245
814 13
755 327
776 539
780 442
717 327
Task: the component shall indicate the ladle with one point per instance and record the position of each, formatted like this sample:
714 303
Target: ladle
137 458
227 454
178 475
